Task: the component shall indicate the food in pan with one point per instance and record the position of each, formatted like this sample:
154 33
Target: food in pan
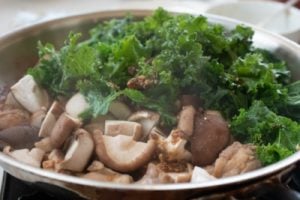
165 99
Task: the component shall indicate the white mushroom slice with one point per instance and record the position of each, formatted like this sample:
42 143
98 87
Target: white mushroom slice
97 171
37 118
120 110
33 157
172 148
98 123
44 144
29 94
186 120
79 152
50 119
200 175
76 105
62 129
147 119
122 153
117 127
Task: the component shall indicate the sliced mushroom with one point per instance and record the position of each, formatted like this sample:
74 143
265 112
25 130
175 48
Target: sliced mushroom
98 123
172 148
210 137
76 105
44 144
186 120
120 110
97 171
33 157
147 119
79 152
201 175
29 94
13 117
117 127
19 137
62 129
122 153
50 119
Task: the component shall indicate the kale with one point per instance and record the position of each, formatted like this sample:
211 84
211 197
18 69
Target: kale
182 54
276 136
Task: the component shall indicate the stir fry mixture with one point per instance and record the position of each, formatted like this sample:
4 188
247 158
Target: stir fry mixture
166 99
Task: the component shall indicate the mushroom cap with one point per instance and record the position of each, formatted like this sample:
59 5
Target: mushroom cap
29 94
122 153
211 136
19 137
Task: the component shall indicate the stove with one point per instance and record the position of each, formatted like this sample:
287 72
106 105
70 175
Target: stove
15 189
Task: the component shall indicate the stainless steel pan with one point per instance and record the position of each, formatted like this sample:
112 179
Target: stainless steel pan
18 52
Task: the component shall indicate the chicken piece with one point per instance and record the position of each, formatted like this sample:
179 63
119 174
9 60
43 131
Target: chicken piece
235 159
141 82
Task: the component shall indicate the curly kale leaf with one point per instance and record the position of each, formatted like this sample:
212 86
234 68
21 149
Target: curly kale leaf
273 134
59 71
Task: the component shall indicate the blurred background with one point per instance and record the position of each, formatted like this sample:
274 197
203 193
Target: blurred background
15 14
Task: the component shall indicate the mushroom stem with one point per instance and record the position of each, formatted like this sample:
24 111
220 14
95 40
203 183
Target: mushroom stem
62 129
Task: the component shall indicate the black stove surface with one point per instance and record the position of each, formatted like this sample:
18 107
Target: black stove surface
15 189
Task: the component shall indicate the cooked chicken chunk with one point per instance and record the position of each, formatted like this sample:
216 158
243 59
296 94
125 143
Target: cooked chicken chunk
235 159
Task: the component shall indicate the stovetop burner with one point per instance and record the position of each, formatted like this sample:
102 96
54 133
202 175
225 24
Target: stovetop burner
15 189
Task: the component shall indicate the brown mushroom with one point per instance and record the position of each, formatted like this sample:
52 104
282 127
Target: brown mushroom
117 127
186 120
50 119
79 152
19 137
33 157
63 129
122 153
97 171
211 136
29 94
13 117
147 119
